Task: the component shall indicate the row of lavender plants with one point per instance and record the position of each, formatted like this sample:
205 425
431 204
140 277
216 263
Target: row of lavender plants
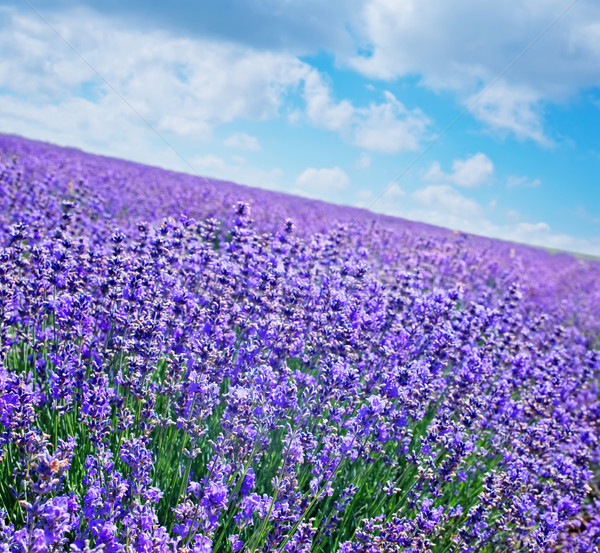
185 372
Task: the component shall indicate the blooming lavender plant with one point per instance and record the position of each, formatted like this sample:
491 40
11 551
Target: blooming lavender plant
186 369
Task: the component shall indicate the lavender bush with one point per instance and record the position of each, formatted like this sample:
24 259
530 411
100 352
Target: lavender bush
187 369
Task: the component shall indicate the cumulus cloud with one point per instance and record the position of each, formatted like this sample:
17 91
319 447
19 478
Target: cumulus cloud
242 141
473 171
213 166
177 85
444 206
297 26
106 127
323 180
394 191
444 198
322 110
542 234
511 108
410 38
168 79
364 195
470 172
387 127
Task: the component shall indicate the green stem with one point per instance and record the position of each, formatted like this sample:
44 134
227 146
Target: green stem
256 536
236 491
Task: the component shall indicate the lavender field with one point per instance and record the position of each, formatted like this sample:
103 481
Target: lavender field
195 366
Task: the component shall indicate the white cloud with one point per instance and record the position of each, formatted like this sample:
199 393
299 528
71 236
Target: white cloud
209 162
541 234
364 194
302 27
390 196
444 198
387 127
470 172
473 171
394 191
323 180
177 85
435 173
522 182
532 228
213 166
409 38
512 108
444 206
107 127
439 205
322 110
242 141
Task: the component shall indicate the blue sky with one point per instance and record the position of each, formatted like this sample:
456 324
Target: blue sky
332 100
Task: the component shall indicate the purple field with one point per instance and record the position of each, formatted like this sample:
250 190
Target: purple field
191 365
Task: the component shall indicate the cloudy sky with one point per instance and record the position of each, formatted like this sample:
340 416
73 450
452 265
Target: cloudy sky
350 101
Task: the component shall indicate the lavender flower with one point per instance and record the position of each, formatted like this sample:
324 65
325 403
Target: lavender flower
190 370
